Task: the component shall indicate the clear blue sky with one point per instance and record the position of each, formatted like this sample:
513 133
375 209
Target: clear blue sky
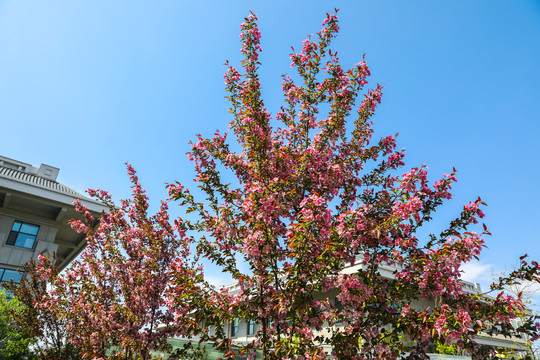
87 86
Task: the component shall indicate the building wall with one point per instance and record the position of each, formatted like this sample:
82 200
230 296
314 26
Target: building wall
11 256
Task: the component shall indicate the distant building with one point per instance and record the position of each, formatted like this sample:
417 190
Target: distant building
242 331
34 214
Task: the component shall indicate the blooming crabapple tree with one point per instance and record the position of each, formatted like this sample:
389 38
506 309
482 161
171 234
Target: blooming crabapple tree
316 193
134 275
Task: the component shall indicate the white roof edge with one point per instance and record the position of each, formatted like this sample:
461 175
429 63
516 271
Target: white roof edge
45 192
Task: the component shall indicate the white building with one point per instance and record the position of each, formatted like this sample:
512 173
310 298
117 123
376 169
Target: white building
243 332
34 214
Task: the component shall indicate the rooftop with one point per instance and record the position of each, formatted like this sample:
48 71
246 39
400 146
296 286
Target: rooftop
21 174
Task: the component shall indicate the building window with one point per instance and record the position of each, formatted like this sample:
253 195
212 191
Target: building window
234 328
23 235
7 274
251 327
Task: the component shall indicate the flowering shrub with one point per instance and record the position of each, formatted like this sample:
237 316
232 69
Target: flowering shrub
133 286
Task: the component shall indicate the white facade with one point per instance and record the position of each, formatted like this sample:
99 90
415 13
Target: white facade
241 331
